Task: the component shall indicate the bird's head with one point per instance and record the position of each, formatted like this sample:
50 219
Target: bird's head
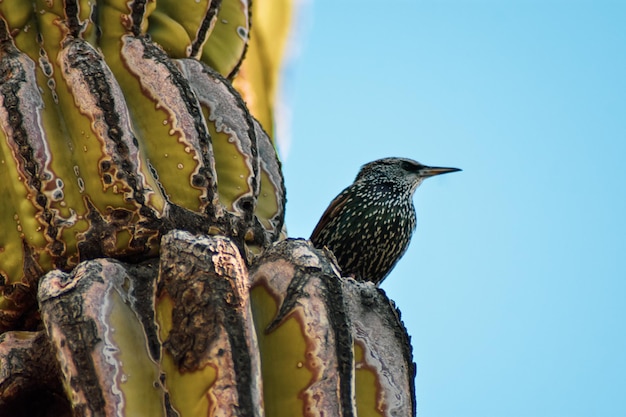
401 171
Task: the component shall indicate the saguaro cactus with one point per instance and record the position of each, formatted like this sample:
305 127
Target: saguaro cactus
143 266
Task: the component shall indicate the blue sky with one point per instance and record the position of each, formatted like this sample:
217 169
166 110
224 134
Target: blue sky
514 287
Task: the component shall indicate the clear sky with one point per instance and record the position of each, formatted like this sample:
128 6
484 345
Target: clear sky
514 287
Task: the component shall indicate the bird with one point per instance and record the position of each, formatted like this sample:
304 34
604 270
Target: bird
369 225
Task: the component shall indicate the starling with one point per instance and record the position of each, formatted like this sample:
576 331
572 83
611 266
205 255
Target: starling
369 225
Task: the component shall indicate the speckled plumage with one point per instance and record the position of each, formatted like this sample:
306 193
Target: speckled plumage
369 225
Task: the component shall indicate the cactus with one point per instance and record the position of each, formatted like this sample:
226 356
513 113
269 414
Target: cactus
144 268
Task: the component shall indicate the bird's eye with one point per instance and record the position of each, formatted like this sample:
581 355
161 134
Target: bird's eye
407 166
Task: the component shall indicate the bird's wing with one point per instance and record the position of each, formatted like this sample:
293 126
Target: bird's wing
331 212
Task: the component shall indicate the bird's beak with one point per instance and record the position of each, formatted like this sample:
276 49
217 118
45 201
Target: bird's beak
426 172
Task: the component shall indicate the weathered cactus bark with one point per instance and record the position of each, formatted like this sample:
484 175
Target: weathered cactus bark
195 335
91 317
304 332
210 355
385 372
342 339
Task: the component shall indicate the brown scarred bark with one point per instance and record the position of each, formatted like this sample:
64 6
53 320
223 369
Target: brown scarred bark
123 339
